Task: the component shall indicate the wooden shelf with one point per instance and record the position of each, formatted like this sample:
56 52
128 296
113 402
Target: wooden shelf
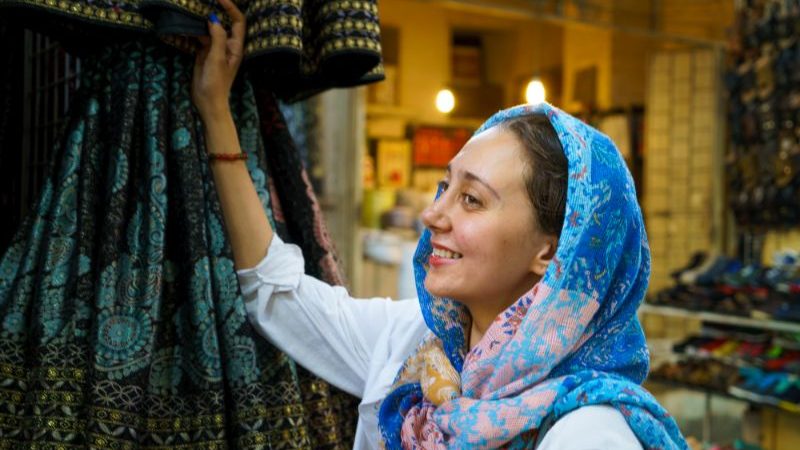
782 406
706 316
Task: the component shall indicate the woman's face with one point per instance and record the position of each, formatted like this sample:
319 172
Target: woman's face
486 245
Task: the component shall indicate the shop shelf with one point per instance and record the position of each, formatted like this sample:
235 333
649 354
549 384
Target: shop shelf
707 316
783 406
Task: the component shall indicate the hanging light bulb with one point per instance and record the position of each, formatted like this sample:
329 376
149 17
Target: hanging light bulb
534 92
445 101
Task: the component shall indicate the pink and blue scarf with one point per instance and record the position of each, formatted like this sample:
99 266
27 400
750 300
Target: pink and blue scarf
573 340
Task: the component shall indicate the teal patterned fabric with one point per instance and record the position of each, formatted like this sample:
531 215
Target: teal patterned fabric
122 322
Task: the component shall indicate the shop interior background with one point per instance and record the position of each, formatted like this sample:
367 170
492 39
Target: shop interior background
701 97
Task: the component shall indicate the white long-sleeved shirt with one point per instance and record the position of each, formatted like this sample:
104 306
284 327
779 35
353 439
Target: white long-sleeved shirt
359 346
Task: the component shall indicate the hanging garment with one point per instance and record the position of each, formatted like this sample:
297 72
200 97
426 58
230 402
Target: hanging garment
572 341
10 104
122 321
299 47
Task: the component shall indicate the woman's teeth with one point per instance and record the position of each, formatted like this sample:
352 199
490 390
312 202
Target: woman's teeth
446 254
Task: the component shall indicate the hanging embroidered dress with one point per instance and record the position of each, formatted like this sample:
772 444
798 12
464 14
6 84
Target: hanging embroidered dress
298 47
122 322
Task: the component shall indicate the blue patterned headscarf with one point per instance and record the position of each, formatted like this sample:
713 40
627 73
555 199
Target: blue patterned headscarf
573 340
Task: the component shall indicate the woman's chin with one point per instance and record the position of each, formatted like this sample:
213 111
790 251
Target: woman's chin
438 290
435 289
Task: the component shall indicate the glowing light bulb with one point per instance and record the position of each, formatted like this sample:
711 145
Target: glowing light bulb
445 101
534 92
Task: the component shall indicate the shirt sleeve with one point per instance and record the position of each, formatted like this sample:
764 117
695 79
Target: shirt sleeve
318 325
596 427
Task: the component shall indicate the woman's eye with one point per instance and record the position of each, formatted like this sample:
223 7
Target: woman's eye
470 200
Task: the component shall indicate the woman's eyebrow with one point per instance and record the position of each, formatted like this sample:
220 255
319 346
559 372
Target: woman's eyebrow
472 177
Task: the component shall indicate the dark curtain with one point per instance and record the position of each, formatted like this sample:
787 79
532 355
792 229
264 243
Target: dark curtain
11 78
122 322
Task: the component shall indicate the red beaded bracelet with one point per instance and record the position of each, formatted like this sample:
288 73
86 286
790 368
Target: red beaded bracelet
227 156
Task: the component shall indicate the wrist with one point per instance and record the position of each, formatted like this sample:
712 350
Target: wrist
220 134
212 115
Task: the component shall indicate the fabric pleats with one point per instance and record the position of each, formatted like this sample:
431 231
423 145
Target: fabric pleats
122 321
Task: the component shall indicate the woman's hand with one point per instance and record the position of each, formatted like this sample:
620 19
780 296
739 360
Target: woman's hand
217 61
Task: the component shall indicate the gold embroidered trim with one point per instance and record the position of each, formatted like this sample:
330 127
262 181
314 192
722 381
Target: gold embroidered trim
10 396
66 424
101 442
15 372
272 42
351 25
186 424
263 412
91 12
341 44
348 5
280 20
109 15
57 397
262 4
295 436
58 374
9 444
116 417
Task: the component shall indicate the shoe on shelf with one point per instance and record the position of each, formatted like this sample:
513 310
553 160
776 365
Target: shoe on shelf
757 385
727 349
747 278
694 262
722 266
689 277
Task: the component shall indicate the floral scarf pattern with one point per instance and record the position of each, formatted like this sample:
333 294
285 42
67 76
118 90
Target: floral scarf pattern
573 340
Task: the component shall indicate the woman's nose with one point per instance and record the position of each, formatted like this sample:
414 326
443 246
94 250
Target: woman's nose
434 217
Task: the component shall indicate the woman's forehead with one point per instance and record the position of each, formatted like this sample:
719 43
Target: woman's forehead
490 147
494 155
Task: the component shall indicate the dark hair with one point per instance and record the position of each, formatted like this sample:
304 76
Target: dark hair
546 174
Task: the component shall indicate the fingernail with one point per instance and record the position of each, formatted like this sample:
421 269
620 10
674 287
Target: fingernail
213 17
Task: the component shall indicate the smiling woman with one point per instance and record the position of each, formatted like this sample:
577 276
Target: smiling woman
524 333
484 214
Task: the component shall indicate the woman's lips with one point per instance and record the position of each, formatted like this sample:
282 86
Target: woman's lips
438 261
441 258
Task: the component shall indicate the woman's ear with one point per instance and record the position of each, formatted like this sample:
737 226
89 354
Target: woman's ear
544 255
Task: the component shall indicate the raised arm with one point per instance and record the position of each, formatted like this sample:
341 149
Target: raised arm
215 69
318 325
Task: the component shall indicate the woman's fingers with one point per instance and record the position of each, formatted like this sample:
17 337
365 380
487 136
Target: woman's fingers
218 38
237 19
236 41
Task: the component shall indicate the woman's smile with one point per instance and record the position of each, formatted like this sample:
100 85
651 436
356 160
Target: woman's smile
442 256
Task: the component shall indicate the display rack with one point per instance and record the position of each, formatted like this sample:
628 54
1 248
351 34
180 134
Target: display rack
724 319
727 319
720 393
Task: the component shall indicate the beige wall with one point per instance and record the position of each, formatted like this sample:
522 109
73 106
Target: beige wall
517 47
424 62
514 49
585 47
708 19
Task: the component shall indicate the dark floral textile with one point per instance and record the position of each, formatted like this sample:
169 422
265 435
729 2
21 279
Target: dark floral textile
122 321
299 47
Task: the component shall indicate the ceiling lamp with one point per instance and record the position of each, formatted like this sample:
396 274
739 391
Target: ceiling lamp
445 101
534 92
